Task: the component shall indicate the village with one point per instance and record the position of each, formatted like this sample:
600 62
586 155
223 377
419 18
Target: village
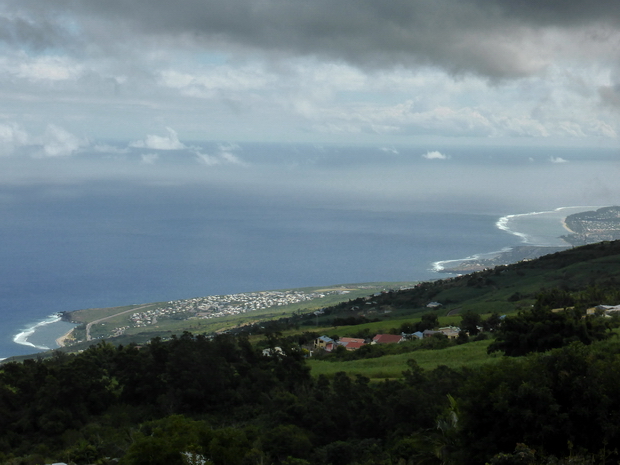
349 343
589 227
218 306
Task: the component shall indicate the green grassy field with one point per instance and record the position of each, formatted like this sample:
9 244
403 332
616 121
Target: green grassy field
91 314
392 366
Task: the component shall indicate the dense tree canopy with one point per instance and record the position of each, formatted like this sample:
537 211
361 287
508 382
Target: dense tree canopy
542 329
193 398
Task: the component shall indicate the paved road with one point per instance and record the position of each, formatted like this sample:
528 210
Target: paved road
88 338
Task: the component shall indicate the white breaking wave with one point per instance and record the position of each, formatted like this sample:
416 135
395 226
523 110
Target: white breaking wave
442 264
22 337
544 232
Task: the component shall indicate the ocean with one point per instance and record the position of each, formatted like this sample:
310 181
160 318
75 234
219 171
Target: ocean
117 227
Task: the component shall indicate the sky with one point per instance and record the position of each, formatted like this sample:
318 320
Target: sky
160 74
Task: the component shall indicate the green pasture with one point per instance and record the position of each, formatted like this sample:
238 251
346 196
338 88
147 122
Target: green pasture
392 366
91 314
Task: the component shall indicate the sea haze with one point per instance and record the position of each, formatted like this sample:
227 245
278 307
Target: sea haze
123 226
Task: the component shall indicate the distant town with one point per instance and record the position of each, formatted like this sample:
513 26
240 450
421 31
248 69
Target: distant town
217 306
585 228
593 226
210 307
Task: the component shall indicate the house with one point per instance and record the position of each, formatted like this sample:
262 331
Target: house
430 333
451 332
273 351
387 339
433 305
321 342
352 345
351 339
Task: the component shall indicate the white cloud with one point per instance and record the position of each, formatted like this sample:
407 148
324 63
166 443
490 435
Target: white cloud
203 81
57 142
110 149
224 155
207 159
47 68
11 138
227 156
558 160
435 155
231 158
284 70
169 142
228 147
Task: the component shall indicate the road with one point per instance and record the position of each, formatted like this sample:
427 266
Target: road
88 326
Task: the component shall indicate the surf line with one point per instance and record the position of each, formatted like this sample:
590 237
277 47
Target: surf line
22 337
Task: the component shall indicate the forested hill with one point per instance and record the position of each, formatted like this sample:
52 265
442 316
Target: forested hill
237 400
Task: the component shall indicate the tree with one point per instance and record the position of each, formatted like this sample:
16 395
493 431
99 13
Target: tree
285 441
492 322
541 329
470 322
164 441
559 402
428 321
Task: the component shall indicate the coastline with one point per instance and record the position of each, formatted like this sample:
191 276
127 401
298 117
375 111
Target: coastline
545 226
565 226
539 232
60 342
43 335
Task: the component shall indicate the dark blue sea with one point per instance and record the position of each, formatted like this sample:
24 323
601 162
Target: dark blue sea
102 231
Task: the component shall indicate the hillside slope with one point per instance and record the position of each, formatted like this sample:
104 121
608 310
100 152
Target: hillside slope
505 289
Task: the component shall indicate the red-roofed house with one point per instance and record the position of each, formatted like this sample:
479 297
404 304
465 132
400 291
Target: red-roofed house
350 339
387 339
353 345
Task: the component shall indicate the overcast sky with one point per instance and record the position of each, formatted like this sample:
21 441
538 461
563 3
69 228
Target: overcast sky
160 74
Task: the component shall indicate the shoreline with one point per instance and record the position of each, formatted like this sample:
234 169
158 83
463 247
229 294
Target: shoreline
60 342
528 241
566 226
463 265
26 337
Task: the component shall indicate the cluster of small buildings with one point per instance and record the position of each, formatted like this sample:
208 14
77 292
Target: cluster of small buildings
603 225
223 305
149 317
328 344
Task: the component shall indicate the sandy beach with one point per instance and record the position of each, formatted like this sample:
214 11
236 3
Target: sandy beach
566 226
61 340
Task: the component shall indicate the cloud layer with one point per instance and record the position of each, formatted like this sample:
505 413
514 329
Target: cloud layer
490 37
278 69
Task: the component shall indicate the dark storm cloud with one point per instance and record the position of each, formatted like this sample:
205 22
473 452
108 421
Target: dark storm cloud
496 38
32 34
556 12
